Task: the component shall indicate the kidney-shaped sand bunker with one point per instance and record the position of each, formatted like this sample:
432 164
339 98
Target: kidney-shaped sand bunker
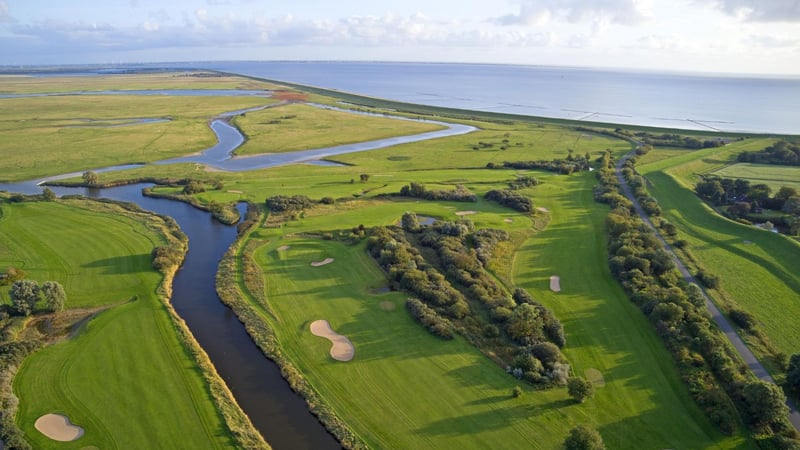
342 349
58 427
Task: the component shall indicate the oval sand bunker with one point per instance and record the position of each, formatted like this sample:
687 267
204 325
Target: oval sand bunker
342 349
322 263
555 283
58 428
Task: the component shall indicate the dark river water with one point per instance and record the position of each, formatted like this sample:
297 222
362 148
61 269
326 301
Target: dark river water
256 382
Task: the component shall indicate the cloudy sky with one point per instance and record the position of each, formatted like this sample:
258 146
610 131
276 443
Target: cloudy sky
736 36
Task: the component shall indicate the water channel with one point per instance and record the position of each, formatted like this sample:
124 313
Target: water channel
276 411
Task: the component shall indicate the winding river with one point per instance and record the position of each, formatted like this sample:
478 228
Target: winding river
276 411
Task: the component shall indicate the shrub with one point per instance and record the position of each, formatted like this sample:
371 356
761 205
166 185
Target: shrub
584 438
580 389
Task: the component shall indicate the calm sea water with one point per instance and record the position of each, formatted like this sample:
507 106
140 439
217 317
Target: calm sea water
700 102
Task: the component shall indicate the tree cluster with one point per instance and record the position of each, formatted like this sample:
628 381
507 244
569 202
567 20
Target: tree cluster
677 140
511 199
744 200
704 359
517 331
523 181
26 294
418 190
781 152
284 203
566 166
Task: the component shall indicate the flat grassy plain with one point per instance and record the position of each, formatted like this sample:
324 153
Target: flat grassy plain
124 377
757 269
296 127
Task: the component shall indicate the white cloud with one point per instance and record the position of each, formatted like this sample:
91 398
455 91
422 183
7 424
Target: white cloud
5 15
760 10
540 12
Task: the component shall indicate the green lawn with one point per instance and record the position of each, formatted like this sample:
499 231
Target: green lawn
125 377
772 175
415 391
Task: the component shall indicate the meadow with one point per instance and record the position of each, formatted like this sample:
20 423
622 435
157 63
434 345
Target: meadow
124 375
773 176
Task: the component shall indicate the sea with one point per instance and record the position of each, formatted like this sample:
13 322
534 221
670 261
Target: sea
708 102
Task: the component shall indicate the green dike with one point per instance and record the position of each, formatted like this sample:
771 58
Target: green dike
407 389
125 377
731 250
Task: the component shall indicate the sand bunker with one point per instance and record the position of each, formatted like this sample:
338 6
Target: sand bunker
466 213
508 220
342 349
555 283
595 376
282 248
322 263
233 191
542 209
58 428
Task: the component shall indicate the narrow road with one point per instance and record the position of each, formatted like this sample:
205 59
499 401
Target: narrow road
747 356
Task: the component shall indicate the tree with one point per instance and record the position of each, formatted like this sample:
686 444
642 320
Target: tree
364 177
584 438
90 178
580 389
525 324
792 205
48 194
410 222
793 373
765 403
54 295
24 295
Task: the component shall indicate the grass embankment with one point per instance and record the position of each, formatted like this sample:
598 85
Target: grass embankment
757 269
126 377
414 390
297 127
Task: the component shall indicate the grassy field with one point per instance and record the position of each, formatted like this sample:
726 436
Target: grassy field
296 127
772 175
465 399
20 84
125 377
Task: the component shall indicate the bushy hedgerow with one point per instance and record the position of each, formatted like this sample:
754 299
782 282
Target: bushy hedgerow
11 356
572 163
418 190
511 199
165 257
283 203
430 319
781 152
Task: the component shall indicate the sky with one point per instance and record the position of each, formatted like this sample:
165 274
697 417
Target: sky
713 36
